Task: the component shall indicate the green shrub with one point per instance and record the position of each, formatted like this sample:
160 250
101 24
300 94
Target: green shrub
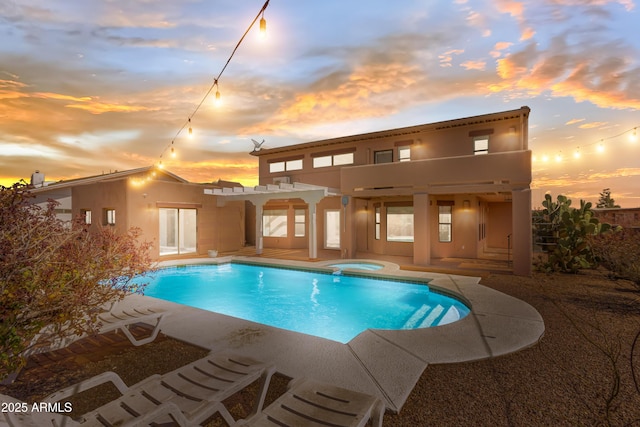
619 252
570 230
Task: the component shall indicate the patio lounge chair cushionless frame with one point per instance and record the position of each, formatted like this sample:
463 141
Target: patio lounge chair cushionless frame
197 389
308 403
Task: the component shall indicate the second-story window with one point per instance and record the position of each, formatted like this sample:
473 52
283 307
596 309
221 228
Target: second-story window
481 145
285 165
333 160
384 156
404 154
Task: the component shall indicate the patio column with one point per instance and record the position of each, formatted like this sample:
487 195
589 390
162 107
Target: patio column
313 231
259 205
521 239
421 230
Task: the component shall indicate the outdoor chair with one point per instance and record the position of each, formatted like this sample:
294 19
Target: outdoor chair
310 403
20 414
111 319
197 389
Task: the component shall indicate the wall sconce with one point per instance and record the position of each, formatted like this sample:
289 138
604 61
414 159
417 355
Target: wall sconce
466 204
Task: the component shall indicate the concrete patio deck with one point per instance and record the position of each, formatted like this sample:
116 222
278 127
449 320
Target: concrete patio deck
384 363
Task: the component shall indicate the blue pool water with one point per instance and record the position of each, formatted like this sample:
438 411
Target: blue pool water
315 303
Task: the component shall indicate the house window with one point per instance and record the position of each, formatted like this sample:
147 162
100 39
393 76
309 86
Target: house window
274 223
377 222
444 223
300 222
404 154
343 159
178 231
481 145
109 217
332 229
293 165
86 216
276 167
333 160
285 165
400 223
384 156
321 162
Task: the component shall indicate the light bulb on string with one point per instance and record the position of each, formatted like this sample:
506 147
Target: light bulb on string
190 129
173 153
217 101
601 147
263 27
559 157
545 158
576 154
633 137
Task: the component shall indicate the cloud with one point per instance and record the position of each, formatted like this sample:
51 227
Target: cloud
474 65
592 125
446 58
603 73
574 121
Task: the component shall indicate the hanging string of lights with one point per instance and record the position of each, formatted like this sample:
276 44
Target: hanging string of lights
600 146
187 124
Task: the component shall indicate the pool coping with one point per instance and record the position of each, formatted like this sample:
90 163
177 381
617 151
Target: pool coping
384 363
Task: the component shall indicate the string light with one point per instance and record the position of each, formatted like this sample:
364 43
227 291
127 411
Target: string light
600 146
263 27
187 123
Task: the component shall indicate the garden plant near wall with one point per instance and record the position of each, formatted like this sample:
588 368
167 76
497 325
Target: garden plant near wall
566 233
57 274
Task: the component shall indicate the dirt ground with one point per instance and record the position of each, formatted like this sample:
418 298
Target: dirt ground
584 371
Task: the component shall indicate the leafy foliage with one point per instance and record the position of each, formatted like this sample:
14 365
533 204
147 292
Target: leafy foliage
605 200
56 275
567 231
619 253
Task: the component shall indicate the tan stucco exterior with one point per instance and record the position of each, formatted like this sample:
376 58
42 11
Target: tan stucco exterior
489 193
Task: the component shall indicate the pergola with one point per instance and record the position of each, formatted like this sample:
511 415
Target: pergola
261 194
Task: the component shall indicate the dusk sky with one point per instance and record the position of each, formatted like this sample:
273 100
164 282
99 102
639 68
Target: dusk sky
92 86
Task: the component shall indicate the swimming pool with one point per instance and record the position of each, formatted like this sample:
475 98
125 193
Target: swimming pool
337 307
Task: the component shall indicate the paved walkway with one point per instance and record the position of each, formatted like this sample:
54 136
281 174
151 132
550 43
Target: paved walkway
385 363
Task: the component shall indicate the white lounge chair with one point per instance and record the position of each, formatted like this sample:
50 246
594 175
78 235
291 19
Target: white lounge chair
109 320
197 389
21 414
311 403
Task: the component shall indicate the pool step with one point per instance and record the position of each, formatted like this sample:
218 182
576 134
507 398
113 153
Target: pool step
431 318
416 316
427 316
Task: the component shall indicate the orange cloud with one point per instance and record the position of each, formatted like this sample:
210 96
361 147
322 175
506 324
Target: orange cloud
592 125
369 91
574 121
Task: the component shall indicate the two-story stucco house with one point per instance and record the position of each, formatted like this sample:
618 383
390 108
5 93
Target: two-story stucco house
458 188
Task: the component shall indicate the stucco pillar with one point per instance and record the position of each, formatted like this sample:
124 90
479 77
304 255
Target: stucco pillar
421 230
313 231
521 239
259 242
